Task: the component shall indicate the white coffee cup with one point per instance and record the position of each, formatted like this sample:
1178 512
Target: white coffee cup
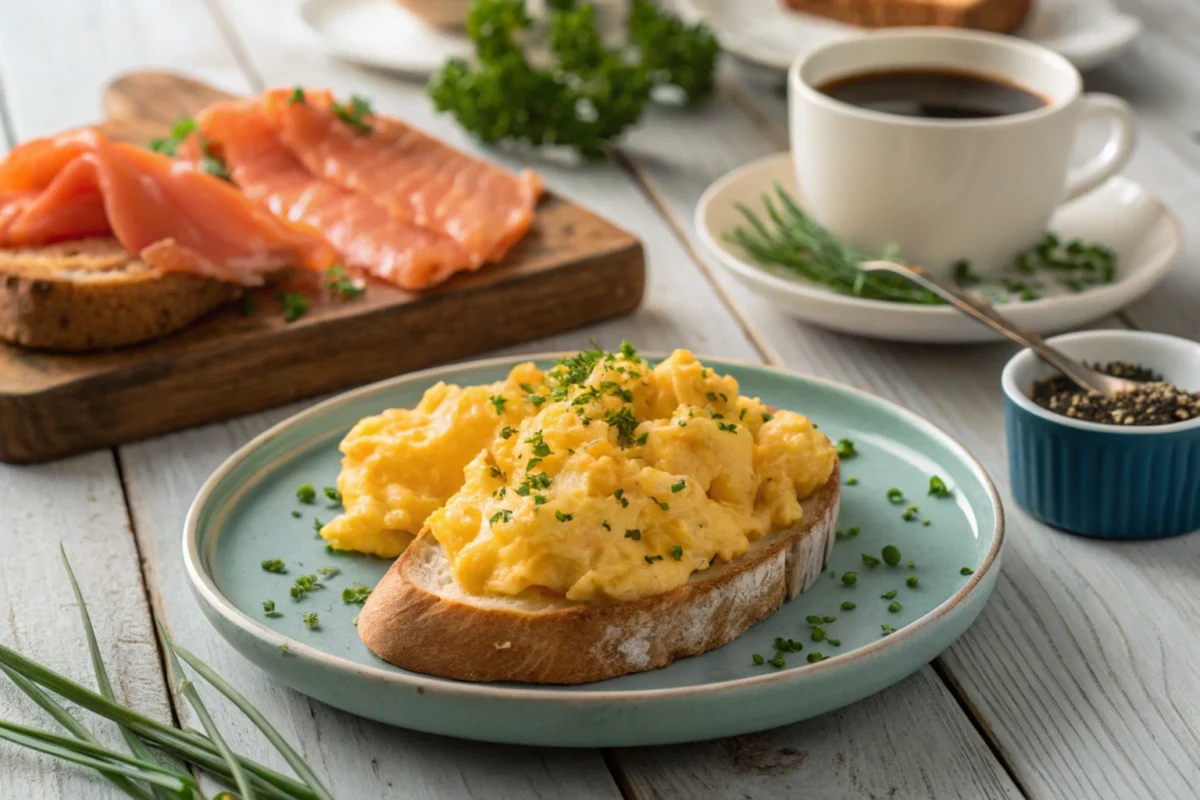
945 189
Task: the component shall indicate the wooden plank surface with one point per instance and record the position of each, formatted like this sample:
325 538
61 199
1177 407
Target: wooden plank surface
76 502
1079 671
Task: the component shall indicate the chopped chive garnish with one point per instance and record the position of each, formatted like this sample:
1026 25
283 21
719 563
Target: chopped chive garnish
966 571
848 605
561 517
677 552
678 487
317 525
888 595
870 561
296 513
634 534
356 593
652 559
758 660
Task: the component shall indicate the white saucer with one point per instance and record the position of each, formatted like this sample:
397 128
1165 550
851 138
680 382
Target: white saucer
380 34
1141 231
1088 32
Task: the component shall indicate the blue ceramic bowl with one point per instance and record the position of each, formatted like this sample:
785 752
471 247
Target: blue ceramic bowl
1107 481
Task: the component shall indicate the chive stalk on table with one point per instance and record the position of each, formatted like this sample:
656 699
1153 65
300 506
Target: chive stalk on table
140 774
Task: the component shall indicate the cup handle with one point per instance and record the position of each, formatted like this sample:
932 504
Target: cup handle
1116 151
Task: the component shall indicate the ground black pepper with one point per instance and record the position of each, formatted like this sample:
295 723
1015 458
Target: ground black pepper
1155 403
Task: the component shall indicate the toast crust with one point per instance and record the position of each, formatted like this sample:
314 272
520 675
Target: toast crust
439 630
92 294
999 16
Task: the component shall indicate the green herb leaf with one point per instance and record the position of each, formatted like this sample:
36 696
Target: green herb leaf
294 305
845 449
311 620
306 493
937 487
274 565
356 593
891 555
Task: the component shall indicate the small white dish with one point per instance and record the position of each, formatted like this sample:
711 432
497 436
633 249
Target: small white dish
1121 215
1087 32
380 34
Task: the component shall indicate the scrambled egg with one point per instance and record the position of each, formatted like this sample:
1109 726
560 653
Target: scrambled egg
601 480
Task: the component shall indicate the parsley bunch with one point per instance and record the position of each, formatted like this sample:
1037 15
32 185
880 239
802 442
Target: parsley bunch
589 93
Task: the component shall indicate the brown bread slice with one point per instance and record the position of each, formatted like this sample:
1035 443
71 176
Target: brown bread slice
418 618
92 294
1000 16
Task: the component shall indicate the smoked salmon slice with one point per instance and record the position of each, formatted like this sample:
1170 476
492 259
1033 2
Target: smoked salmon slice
174 216
420 180
368 237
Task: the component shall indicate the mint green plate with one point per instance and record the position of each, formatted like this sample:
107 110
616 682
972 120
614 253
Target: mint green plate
243 515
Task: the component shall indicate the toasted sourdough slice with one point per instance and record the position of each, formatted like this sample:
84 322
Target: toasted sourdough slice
92 294
418 618
1000 16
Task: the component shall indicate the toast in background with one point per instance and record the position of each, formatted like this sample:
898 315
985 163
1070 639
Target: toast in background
92 294
999 16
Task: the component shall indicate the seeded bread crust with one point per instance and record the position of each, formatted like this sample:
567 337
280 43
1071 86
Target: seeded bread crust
1000 16
419 619
92 294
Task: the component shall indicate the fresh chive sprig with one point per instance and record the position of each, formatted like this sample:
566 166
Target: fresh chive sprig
141 775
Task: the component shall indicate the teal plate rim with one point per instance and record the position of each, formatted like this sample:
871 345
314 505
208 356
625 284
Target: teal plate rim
206 589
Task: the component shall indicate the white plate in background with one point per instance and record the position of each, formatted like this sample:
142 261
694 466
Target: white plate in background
1121 215
380 34
1087 32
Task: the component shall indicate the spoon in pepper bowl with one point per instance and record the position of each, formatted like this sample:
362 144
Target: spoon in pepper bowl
1080 374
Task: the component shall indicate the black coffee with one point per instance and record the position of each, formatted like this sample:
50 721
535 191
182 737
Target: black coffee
933 93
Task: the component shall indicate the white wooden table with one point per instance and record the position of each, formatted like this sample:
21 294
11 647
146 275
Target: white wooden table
1078 681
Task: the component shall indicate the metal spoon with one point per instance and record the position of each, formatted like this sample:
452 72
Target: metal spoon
1081 375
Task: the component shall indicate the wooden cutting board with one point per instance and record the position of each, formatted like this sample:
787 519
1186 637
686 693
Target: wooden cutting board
572 269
